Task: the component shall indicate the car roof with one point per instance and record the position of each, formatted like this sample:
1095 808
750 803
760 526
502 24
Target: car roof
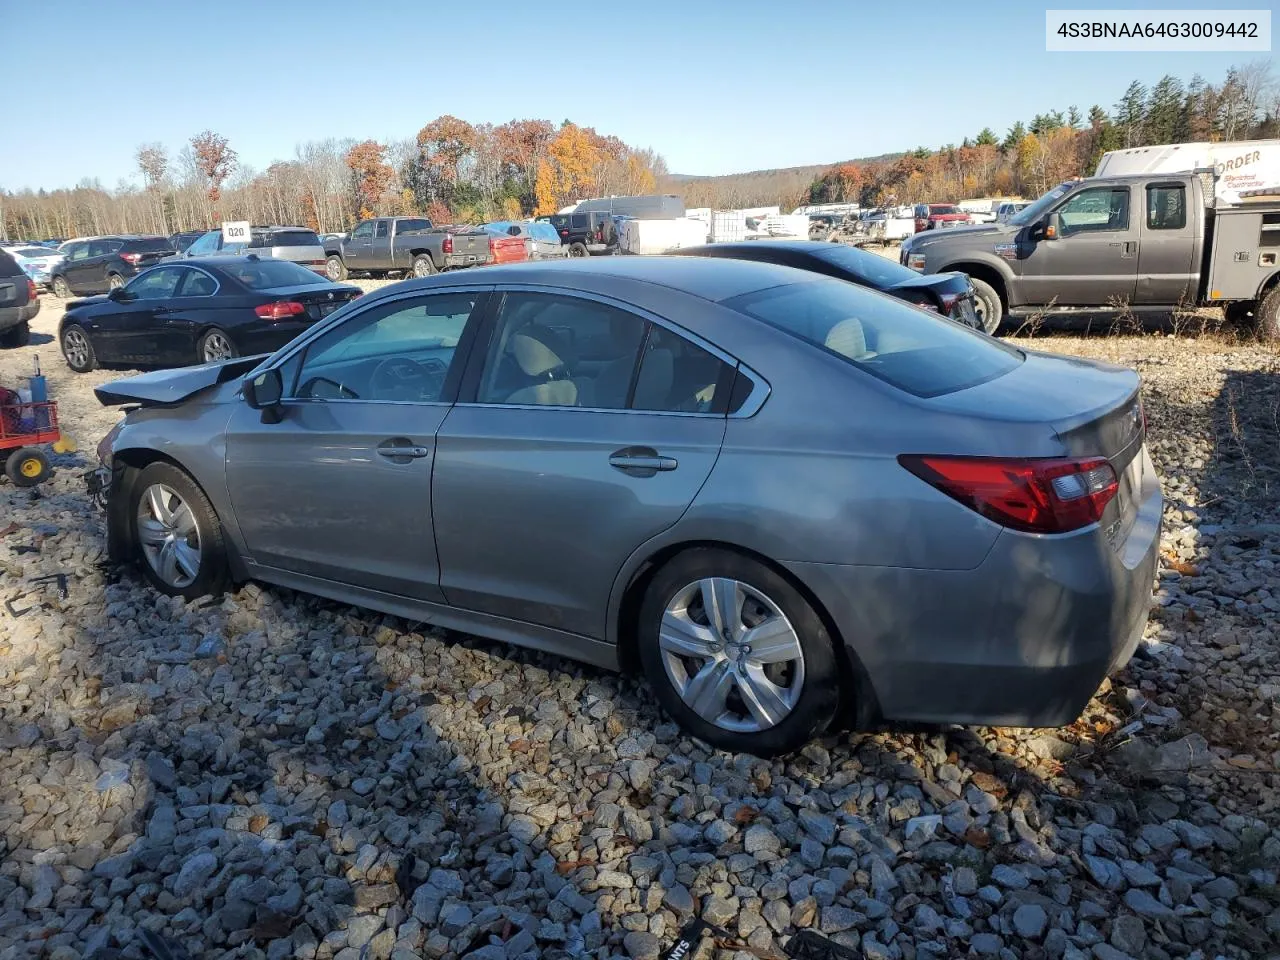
710 278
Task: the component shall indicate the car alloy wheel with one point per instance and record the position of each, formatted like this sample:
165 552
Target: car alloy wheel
60 288
115 281
75 346
217 347
168 535
732 655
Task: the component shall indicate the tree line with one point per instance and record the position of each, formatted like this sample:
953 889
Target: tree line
451 171
1058 145
457 172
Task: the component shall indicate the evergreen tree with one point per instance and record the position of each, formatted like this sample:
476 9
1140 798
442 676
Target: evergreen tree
1130 114
986 138
1073 117
1097 117
1164 110
1013 137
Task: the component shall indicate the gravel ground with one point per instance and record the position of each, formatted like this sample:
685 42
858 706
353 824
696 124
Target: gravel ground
274 775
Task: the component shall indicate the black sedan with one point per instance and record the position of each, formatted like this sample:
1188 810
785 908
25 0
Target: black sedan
201 310
950 294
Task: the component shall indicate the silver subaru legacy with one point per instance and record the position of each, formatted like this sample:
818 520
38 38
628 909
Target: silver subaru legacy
783 498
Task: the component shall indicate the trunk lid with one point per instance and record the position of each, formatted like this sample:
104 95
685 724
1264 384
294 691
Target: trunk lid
319 299
1094 410
472 247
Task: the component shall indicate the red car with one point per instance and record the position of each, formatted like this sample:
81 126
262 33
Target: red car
504 248
930 216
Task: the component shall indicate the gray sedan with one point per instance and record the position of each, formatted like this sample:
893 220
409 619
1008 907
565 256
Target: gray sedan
782 498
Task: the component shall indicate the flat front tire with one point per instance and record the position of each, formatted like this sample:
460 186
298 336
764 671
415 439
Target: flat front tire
989 308
736 654
176 534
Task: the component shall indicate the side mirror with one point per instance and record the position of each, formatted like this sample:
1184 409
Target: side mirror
118 295
264 391
1052 227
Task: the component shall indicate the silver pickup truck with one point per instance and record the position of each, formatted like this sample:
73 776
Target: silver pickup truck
1147 243
410 245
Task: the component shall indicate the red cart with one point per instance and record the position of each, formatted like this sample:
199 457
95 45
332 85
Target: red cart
23 426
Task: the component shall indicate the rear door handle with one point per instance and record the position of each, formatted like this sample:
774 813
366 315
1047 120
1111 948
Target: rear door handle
402 450
641 461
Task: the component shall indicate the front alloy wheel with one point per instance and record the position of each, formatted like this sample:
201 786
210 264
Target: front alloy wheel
168 536
732 655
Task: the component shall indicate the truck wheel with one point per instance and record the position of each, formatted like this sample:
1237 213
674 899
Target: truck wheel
1266 317
578 250
18 336
988 306
335 269
27 466
422 266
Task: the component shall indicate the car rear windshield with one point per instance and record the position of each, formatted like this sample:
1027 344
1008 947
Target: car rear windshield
267 274
868 267
148 245
908 348
285 238
9 266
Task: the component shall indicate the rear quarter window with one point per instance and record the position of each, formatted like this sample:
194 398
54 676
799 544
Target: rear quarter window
285 238
9 266
912 350
150 245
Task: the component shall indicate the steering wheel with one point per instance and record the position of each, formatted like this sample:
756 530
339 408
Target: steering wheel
400 378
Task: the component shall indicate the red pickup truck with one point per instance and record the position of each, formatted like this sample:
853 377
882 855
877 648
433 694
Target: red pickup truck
930 216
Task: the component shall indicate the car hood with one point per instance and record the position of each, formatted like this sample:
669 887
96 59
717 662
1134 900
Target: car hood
929 238
169 387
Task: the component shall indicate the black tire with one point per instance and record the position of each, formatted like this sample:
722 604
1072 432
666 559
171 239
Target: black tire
334 268
216 344
1266 318
423 266
61 290
819 695
18 336
989 306
213 574
27 466
114 281
81 349
578 250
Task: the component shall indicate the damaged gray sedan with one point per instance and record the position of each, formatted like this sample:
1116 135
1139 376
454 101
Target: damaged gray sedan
782 498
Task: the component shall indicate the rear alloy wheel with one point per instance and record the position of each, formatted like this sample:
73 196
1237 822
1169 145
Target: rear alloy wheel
578 250
987 305
60 289
18 336
736 654
216 346
27 466
1266 318
178 536
423 266
77 349
335 269
115 281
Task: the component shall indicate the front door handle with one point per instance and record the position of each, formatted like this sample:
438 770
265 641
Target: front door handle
641 461
402 450
1130 249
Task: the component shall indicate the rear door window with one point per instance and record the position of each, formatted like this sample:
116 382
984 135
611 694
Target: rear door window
1166 207
910 349
9 266
380 230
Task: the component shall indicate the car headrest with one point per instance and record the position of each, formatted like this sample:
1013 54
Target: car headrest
847 339
534 357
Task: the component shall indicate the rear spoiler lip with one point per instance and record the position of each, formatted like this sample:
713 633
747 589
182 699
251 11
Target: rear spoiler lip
169 388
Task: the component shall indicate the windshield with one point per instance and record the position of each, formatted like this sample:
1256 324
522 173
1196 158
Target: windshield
265 274
869 267
915 351
942 210
1032 212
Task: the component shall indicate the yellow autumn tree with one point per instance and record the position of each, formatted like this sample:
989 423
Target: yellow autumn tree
568 171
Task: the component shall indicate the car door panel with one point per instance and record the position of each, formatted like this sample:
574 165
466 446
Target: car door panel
532 520
1090 263
358 250
380 247
1167 271
317 494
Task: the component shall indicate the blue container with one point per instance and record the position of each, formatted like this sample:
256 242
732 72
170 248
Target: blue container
40 394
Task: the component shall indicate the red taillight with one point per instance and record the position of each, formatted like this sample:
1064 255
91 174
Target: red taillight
32 292
493 245
1036 496
131 258
564 233
447 245
280 310
949 302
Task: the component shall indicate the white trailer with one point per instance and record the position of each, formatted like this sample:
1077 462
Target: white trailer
1243 169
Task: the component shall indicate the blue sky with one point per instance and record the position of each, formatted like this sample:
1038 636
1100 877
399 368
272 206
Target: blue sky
716 87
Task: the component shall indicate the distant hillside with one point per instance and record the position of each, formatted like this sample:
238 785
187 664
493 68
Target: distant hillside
755 188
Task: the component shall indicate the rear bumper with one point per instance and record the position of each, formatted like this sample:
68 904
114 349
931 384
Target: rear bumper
10 317
1022 640
464 259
